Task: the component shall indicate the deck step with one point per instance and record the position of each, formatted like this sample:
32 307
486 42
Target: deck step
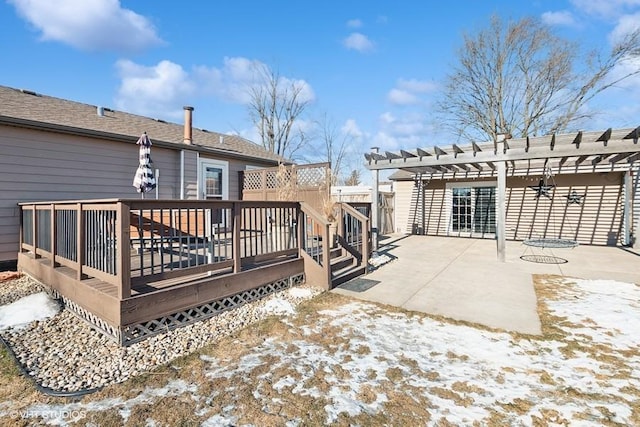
346 274
344 268
336 252
342 262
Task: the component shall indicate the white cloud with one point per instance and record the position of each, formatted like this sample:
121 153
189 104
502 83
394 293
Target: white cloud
354 23
91 25
161 90
563 18
409 130
406 91
417 86
402 97
351 128
158 90
230 82
387 118
359 42
626 25
605 9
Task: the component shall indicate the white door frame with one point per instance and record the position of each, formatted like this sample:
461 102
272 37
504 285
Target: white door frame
449 204
220 164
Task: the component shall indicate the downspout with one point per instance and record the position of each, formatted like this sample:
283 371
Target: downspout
198 176
181 174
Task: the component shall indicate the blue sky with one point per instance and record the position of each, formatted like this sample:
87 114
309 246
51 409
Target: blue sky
373 67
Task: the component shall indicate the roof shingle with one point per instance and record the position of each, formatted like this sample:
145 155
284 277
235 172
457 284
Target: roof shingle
22 105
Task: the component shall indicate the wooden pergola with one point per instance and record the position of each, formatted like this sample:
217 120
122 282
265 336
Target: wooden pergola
581 152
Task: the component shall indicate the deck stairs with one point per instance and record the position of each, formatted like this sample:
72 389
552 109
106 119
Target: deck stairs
344 266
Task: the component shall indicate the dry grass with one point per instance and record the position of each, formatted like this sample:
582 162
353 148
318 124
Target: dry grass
241 395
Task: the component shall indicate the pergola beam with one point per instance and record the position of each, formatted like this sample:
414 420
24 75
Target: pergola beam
422 153
516 153
618 157
406 154
439 151
457 150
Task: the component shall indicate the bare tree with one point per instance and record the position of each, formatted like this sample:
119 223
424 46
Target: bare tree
334 146
353 178
276 107
519 79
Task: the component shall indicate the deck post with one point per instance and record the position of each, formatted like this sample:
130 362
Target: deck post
123 251
300 223
365 245
34 227
237 224
53 235
80 242
326 255
501 197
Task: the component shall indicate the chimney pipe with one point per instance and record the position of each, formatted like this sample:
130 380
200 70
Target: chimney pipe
100 111
188 131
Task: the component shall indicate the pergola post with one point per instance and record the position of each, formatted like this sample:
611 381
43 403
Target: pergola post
501 204
628 208
374 207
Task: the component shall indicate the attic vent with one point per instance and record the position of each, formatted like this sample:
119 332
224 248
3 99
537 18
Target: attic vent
29 92
160 121
204 130
108 109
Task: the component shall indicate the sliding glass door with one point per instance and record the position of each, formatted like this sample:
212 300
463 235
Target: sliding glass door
473 211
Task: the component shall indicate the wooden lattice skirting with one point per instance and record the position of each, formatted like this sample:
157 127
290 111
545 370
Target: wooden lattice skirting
137 332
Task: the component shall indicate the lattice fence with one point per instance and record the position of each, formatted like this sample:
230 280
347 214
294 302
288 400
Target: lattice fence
306 183
140 331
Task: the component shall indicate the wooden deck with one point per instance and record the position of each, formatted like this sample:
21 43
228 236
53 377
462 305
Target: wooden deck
183 262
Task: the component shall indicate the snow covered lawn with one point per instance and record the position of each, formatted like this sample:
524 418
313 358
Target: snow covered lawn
340 362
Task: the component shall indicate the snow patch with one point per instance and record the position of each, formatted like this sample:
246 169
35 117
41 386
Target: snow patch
278 307
33 307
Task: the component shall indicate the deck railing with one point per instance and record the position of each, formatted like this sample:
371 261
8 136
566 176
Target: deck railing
314 245
354 231
132 242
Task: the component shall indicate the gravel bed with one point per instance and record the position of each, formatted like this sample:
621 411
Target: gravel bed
65 354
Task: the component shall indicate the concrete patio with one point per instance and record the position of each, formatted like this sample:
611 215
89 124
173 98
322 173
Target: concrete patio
462 279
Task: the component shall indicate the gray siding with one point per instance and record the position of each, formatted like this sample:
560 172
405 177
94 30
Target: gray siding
234 179
403 191
190 174
37 166
597 220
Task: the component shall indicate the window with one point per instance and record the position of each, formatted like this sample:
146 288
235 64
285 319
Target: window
473 209
214 180
461 210
484 211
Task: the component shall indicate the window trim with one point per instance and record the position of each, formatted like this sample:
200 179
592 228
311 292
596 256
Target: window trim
449 186
221 164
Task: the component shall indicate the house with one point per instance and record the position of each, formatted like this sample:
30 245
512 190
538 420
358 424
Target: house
56 149
580 187
135 267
